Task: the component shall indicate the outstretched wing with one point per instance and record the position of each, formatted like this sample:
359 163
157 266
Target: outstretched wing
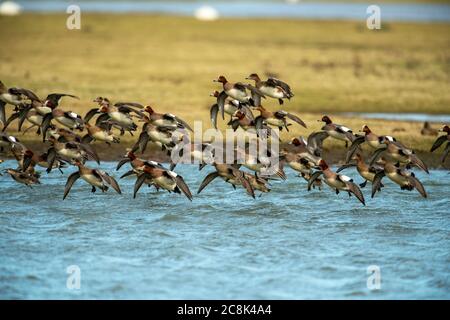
2 112
354 146
294 118
418 162
139 181
183 187
70 181
418 185
439 141
376 183
109 180
210 177
376 155
283 85
315 142
90 114
221 103
345 166
313 178
213 114
353 188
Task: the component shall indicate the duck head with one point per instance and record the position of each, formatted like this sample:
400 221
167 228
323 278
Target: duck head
130 154
239 114
323 165
365 129
221 79
326 119
253 77
149 110
28 153
296 142
103 109
215 94
446 129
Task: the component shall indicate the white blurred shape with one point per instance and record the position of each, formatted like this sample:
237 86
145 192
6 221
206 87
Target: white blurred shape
292 1
206 13
10 8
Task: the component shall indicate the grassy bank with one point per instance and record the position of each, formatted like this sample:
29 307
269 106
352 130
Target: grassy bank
170 62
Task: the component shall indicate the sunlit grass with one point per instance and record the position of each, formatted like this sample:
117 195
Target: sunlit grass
170 62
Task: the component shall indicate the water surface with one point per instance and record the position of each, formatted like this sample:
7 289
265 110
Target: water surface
288 244
246 9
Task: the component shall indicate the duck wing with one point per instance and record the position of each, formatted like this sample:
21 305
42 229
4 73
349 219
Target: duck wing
439 141
221 103
313 178
418 162
353 188
445 154
139 182
90 152
70 181
283 85
55 97
376 183
253 90
109 180
11 118
376 155
418 185
27 93
315 142
213 114
247 111
345 166
129 104
294 118
210 177
122 162
181 184
353 147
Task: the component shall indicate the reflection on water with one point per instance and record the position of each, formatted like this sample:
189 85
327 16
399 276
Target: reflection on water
287 244
354 11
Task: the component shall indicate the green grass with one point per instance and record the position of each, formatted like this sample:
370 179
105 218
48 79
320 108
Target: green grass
170 62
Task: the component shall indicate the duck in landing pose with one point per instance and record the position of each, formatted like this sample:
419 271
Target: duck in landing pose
95 177
338 182
272 87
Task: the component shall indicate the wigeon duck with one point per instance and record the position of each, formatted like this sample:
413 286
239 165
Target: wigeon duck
99 134
401 176
68 119
259 164
69 151
396 151
272 87
119 115
230 174
163 178
364 170
277 118
337 131
428 130
441 140
166 119
164 137
201 153
25 178
373 140
15 97
239 92
230 106
95 177
240 119
336 181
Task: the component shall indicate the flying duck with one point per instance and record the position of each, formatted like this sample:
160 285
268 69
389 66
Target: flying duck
95 177
15 97
69 151
230 106
277 118
336 181
401 176
25 178
99 134
441 140
68 119
163 178
373 140
239 92
272 87
230 174
337 131
364 170
396 151
166 119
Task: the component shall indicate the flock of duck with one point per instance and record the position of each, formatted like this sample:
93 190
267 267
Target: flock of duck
69 137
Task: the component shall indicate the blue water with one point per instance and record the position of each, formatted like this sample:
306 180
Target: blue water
273 9
288 244
416 117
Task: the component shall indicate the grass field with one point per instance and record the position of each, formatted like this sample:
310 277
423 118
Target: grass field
170 62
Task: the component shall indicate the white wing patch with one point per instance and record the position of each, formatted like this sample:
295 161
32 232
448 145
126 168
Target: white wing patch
345 129
345 178
73 114
173 174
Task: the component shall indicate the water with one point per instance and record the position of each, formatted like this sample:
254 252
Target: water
288 244
246 9
416 117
